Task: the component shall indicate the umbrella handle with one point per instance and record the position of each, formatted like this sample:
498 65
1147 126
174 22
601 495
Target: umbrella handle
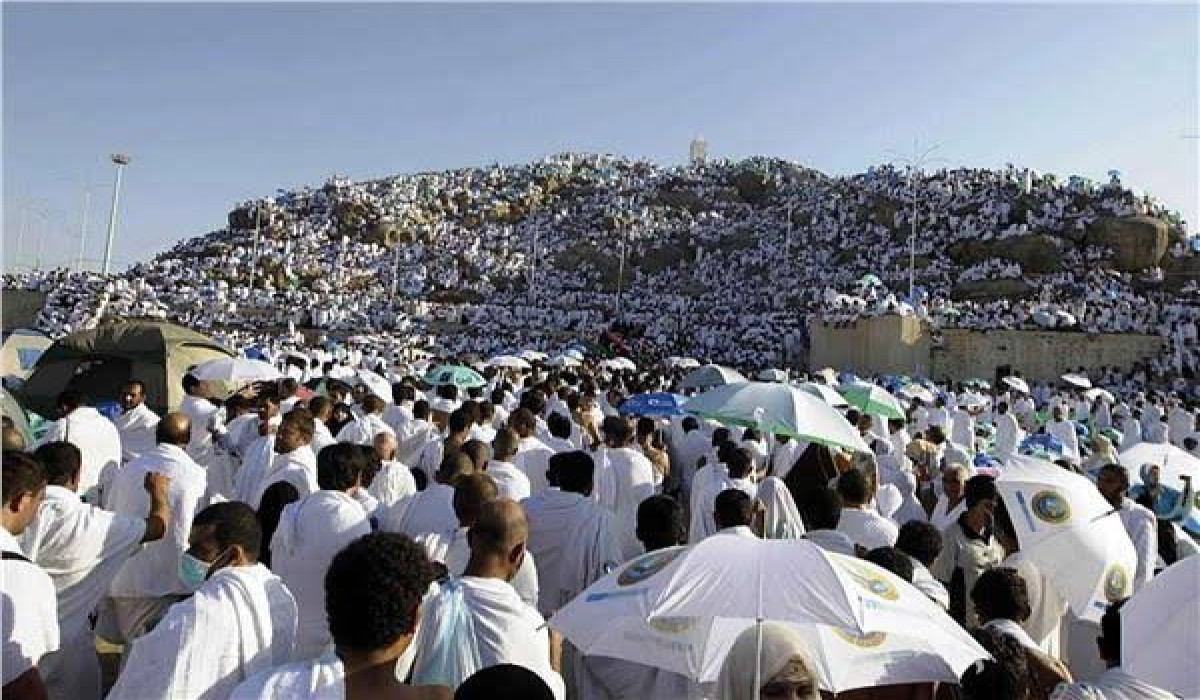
758 642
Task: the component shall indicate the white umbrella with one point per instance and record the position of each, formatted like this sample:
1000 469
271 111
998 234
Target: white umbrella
1172 462
681 362
1093 394
916 391
772 375
563 361
626 363
1160 630
507 362
1066 527
779 409
709 376
533 356
1017 384
1077 380
235 369
375 384
616 615
574 354
824 392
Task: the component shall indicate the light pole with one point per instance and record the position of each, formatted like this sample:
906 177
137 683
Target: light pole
83 222
621 267
120 160
915 165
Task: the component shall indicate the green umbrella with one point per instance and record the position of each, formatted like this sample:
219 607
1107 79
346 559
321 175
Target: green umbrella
870 280
458 375
872 400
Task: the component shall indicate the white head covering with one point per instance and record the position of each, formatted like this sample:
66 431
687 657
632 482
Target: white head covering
780 644
783 520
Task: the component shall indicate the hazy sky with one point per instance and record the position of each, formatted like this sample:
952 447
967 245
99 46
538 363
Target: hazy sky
221 103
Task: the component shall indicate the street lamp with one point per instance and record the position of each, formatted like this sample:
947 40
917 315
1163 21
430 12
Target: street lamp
120 160
915 165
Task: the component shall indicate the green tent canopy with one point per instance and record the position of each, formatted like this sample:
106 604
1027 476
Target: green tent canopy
97 362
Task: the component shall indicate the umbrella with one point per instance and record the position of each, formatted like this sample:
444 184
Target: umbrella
375 384
616 615
779 409
1017 384
235 369
507 362
1043 445
533 356
872 400
1093 394
618 364
1066 527
1077 380
772 375
458 375
1172 462
681 362
1159 643
870 280
916 391
709 376
824 392
575 354
654 405
563 360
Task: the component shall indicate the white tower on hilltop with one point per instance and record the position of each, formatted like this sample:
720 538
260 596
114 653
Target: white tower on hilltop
698 150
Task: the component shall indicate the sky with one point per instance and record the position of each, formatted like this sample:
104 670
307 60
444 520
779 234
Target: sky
219 103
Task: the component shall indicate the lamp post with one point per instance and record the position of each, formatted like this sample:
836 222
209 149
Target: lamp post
120 160
621 266
915 165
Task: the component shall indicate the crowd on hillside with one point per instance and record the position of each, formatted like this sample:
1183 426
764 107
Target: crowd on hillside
730 261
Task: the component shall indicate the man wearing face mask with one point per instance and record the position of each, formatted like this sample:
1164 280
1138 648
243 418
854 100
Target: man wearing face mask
506 629
310 532
241 619
147 583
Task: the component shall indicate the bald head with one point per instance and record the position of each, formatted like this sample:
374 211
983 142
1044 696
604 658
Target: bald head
471 494
500 528
455 465
13 440
174 429
385 445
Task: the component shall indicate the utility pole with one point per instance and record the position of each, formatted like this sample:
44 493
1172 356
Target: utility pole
120 160
83 222
621 268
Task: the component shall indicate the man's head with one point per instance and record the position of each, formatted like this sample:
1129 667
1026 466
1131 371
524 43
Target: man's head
1059 412
733 508
935 434
920 540
1002 677
559 425
740 462
471 493
174 429
385 445
1109 640
13 440
954 480
479 453
321 408
420 410
572 471
855 488
617 432
61 462
821 509
980 496
192 386
689 424
1001 594
24 486
68 401
295 431
455 464
373 591
340 467
1113 483
497 538
359 393
504 445
522 422
892 559
133 394
504 682
223 534
720 436
660 523
373 405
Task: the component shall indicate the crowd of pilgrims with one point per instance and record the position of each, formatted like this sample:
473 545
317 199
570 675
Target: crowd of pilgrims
291 543
517 256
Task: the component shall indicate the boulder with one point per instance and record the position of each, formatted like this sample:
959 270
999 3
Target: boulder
1035 252
1138 242
1180 271
991 289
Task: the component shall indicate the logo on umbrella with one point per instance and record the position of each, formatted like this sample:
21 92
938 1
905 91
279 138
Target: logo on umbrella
647 566
871 581
672 625
1116 583
1051 507
867 641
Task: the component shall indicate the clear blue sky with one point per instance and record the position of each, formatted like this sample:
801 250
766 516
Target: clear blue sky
221 103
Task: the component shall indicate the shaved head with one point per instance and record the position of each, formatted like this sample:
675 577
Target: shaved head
500 528
471 494
174 429
385 445
454 466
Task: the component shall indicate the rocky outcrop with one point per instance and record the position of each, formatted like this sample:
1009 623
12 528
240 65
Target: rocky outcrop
1138 242
1036 252
991 289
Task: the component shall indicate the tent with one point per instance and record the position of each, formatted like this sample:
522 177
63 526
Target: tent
20 352
97 362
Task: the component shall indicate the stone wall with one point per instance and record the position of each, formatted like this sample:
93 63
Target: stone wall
20 308
896 345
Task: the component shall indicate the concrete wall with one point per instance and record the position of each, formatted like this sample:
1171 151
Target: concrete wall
896 345
1038 355
883 345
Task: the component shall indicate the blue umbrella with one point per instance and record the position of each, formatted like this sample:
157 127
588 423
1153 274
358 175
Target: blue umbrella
654 405
1082 431
108 409
1042 445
